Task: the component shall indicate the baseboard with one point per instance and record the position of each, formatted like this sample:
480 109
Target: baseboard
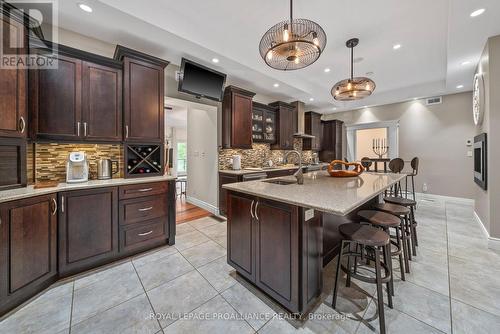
441 198
493 243
204 205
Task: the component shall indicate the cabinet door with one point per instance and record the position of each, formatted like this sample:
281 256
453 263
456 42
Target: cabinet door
56 100
242 121
12 163
88 228
102 102
224 179
13 92
28 254
317 131
240 234
277 251
143 106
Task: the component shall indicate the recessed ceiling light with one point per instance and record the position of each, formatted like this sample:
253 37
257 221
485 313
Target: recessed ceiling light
460 86
327 70
467 62
215 60
85 8
396 46
276 85
369 73
311 99
334 108
365 106
477 12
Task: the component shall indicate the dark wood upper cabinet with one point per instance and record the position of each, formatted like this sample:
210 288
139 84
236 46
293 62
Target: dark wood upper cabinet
331 144
286 118
143 92
28 248
88 229
56 100
314 127
79 100
102 102
237 118
13 82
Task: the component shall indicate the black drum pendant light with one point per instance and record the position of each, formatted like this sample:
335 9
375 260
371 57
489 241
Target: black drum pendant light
353 88
292 44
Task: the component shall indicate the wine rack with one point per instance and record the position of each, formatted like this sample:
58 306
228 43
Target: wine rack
143 160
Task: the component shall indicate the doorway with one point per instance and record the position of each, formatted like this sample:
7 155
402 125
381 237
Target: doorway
362 137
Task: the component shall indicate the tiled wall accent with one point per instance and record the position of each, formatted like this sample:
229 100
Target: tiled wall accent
259 154
30 150
50 159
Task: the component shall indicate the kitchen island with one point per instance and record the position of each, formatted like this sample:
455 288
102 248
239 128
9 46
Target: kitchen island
281 234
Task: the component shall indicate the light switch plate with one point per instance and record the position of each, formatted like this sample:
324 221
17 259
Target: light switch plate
309 214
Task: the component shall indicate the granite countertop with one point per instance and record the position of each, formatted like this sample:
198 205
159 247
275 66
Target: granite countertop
244 171
30 191
322 192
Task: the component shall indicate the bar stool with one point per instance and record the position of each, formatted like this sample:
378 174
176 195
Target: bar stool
396 165
376 240
414 166
386 221
409 203
403 214
367 163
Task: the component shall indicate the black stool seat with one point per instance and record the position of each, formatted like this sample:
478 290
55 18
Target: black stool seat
380 218
364 234
400 201
393 209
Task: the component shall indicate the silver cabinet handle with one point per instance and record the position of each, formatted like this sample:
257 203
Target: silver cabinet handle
256 206
145 233
146 209
22 124
145 189
251 210
62 203
85 129
78 129
54 210
126 131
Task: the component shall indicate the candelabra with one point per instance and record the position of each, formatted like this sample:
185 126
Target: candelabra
380 147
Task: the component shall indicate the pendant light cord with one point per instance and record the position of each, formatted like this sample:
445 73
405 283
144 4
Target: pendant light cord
352 63
291 16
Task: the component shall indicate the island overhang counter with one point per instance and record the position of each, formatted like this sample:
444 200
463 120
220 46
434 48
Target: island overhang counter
281 235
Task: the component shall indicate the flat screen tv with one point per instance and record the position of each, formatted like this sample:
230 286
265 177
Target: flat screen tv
201 81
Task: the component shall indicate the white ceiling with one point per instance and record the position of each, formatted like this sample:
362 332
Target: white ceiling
436 37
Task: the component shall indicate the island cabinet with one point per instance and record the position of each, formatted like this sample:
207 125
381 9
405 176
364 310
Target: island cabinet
28 248
314 127
88 229
286 119
143 95
79 100
13 81
271 244
237 118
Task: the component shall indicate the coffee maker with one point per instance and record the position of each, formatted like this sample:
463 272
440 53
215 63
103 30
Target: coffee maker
77 168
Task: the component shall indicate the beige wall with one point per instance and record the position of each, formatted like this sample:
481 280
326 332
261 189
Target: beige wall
486 201
436 134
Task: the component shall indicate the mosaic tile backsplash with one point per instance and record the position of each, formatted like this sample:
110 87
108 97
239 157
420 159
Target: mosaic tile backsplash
259 154
50 159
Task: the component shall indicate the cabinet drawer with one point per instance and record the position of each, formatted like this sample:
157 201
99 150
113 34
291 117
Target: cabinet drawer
141 209
143 189
141 236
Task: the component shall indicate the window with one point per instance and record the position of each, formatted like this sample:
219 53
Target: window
364 142
181 158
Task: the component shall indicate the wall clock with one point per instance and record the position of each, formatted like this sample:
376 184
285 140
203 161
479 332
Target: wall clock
478 99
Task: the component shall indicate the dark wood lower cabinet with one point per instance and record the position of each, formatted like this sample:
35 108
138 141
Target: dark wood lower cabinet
28 248
88 229
273 245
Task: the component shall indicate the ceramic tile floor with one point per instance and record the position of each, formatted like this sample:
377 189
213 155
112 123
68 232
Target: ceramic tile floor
454 287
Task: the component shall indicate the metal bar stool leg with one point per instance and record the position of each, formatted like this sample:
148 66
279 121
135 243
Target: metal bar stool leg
408 237
413 187
400 245
337 276
388 262
413 226
380 296
405 245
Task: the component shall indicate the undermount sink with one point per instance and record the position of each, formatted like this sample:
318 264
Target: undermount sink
281 181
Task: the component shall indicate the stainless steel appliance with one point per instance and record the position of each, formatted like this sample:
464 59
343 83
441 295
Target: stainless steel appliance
106 168
77 168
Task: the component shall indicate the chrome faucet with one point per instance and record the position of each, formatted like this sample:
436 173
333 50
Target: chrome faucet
298 174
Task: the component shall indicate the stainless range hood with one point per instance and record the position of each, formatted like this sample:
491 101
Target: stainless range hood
301 109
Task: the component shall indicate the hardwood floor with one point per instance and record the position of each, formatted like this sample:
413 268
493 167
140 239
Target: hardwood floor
186 211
